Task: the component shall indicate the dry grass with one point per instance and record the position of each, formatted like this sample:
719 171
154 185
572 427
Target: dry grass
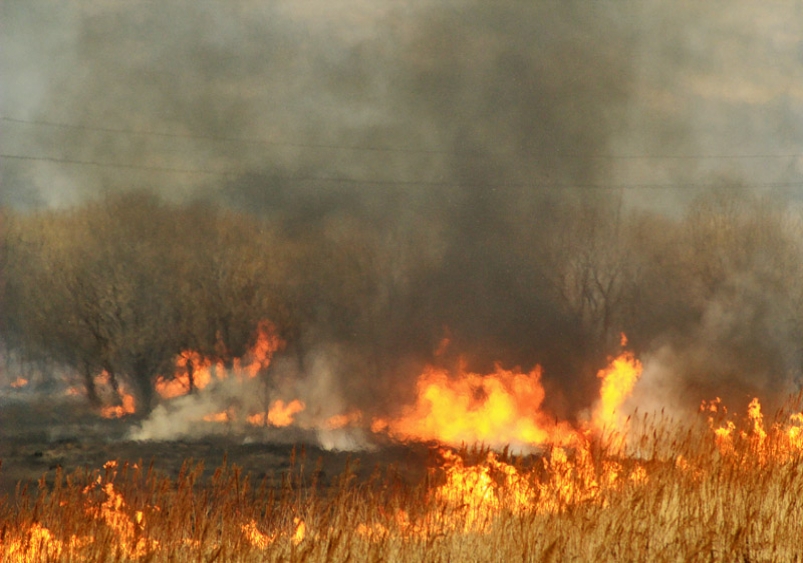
677 496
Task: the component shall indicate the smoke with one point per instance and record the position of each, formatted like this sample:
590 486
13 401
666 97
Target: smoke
225 406
461 148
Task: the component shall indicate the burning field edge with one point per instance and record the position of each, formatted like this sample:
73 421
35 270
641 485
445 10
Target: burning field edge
718 488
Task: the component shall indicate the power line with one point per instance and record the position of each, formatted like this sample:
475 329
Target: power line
253 141
381 182
119 165
220 138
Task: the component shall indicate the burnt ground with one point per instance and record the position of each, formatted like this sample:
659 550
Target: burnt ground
37 436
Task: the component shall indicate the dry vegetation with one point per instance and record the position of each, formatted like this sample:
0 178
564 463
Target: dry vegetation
125 284
690 495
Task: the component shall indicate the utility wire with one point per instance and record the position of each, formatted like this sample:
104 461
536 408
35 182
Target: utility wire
378 149
220 138
380 182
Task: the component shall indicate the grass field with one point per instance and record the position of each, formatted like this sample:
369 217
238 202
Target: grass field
712 491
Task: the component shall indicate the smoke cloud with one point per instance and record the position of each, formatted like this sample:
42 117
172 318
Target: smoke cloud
471 150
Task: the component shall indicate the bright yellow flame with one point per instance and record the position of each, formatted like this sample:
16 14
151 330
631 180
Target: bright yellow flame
618 380
496 409
755 416
301 530
255 537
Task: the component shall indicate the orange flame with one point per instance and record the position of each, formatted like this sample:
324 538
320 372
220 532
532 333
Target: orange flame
222 416
187 362
342 420
279 414
618 380
778 443
496 409
192 364
301 531
255 537
115 514
127 402
19 382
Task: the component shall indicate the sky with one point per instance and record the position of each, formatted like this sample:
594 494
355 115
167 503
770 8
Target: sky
464 128
191 97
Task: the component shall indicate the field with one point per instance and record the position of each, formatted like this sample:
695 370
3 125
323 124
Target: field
706 491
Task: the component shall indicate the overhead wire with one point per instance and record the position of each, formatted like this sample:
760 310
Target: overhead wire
378 182
219 138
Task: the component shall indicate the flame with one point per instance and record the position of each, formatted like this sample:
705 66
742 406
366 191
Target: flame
127 405
19 382
280 414
477 493
618 380
778 443
40 545
222 416
267 343
495 409
795 430
115 513
757 419
342 420
188 362
255 537
301 531
469 493
204 370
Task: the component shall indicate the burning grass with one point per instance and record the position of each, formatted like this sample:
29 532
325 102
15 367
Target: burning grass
723 489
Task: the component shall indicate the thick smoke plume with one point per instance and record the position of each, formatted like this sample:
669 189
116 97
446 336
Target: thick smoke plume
452 164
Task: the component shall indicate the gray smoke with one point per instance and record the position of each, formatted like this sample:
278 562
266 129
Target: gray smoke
460 139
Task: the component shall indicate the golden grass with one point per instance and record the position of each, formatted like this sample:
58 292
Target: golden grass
680 495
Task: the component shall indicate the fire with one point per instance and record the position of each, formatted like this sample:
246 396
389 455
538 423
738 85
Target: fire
755 416
39 546
481 491
301 531
795 430
267 343
116 514
503 408
342 420
127 404
280 414
122 402
113 512
19 382
119 411
618 380
780 442
496 409
194 371
474 496
255 537
222 416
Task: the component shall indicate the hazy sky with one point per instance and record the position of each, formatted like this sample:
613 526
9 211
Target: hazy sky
682 93
462 135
